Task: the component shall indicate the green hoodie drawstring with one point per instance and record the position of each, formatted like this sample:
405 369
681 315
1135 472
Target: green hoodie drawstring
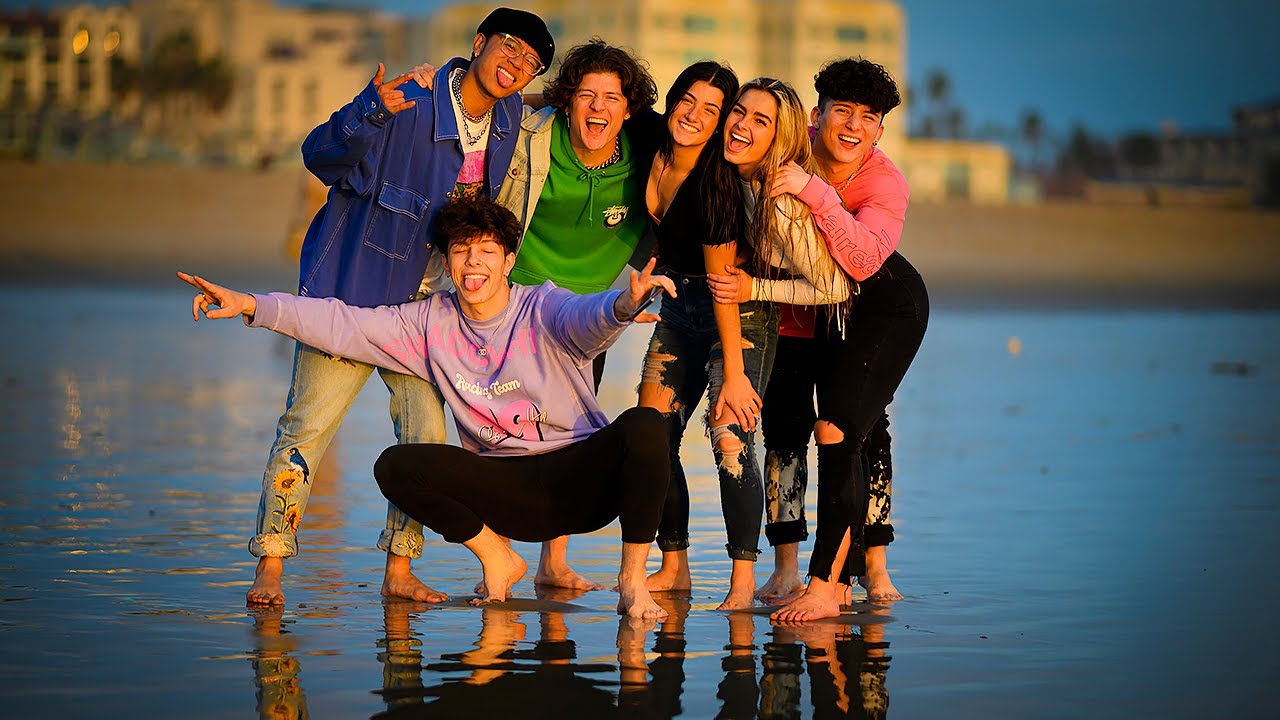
593 179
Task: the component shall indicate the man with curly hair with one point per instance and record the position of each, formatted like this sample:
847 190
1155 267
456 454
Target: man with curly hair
576 182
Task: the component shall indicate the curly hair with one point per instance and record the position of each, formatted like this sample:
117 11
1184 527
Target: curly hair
467 220
857 80
596 56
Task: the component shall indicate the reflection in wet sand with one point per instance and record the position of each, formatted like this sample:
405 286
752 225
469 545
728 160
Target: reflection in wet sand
133 457
275 669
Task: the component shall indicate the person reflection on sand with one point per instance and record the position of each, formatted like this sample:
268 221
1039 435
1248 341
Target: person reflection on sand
275 671
846 671
554 465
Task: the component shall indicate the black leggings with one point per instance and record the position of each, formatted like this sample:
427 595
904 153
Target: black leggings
621 471
859 372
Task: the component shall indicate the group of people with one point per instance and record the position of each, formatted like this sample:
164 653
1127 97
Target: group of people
771 234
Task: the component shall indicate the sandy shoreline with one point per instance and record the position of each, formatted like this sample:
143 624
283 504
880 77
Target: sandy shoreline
78 224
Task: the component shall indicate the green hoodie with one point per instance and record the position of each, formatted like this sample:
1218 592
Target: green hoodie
587 222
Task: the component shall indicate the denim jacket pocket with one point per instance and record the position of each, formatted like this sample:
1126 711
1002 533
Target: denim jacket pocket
393 226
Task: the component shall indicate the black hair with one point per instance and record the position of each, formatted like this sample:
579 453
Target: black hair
857 80
596 56
720 195
466 220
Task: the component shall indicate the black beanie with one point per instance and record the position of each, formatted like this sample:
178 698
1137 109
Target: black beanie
524 25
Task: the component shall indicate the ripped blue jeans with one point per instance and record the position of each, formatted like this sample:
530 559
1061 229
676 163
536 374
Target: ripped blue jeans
685 359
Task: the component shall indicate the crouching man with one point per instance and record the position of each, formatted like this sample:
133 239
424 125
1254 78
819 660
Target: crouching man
539 457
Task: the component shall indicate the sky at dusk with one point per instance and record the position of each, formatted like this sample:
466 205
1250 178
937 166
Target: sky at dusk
1112 65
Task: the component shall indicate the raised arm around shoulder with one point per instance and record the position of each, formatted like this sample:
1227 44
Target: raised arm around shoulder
860 241
820 281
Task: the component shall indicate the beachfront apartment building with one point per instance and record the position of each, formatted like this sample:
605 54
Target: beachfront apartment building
63 60
285 68
290 66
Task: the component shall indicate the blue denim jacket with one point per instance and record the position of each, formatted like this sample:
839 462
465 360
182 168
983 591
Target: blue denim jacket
388 176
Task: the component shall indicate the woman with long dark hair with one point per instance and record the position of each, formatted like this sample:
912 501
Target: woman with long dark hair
704 207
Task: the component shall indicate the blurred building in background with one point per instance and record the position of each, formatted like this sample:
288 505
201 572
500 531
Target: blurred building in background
241 82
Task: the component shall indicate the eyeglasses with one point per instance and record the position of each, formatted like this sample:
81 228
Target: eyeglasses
530 61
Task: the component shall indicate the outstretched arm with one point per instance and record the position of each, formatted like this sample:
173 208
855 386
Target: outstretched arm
390 337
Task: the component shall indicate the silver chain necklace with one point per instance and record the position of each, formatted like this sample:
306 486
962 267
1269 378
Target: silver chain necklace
613 158
482 346
467 118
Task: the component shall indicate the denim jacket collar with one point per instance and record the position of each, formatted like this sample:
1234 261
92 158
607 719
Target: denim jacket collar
446 123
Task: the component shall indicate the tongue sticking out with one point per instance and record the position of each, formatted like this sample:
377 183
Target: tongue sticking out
473 283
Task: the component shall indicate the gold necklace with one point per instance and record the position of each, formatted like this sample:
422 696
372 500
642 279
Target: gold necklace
845 185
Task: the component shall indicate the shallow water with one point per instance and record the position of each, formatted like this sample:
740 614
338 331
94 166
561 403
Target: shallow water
1087 523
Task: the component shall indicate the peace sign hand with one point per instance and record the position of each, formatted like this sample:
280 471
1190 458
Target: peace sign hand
392 98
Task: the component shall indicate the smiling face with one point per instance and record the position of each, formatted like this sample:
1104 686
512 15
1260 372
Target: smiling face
497 75
693 120
479 269
596 112
751 127
847 133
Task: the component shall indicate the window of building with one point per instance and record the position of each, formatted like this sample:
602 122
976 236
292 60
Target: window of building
84 75
310 98
326 35
699 24
111 43
851 33
692 56
277 96
956 180
281 49
79 43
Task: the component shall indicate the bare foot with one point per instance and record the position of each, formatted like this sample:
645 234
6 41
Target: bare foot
738 599
564 577
398 581
742 584
879 587
673 575
634 601
517 574
266 588
780 585
818 601
501 572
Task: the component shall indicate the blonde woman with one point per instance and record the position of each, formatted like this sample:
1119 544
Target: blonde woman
765 128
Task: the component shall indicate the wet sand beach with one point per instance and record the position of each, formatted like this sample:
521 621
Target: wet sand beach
1086 500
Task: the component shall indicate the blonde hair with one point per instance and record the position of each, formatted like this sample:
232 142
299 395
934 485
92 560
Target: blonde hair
790 144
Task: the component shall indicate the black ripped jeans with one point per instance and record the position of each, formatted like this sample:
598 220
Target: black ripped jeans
858 374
